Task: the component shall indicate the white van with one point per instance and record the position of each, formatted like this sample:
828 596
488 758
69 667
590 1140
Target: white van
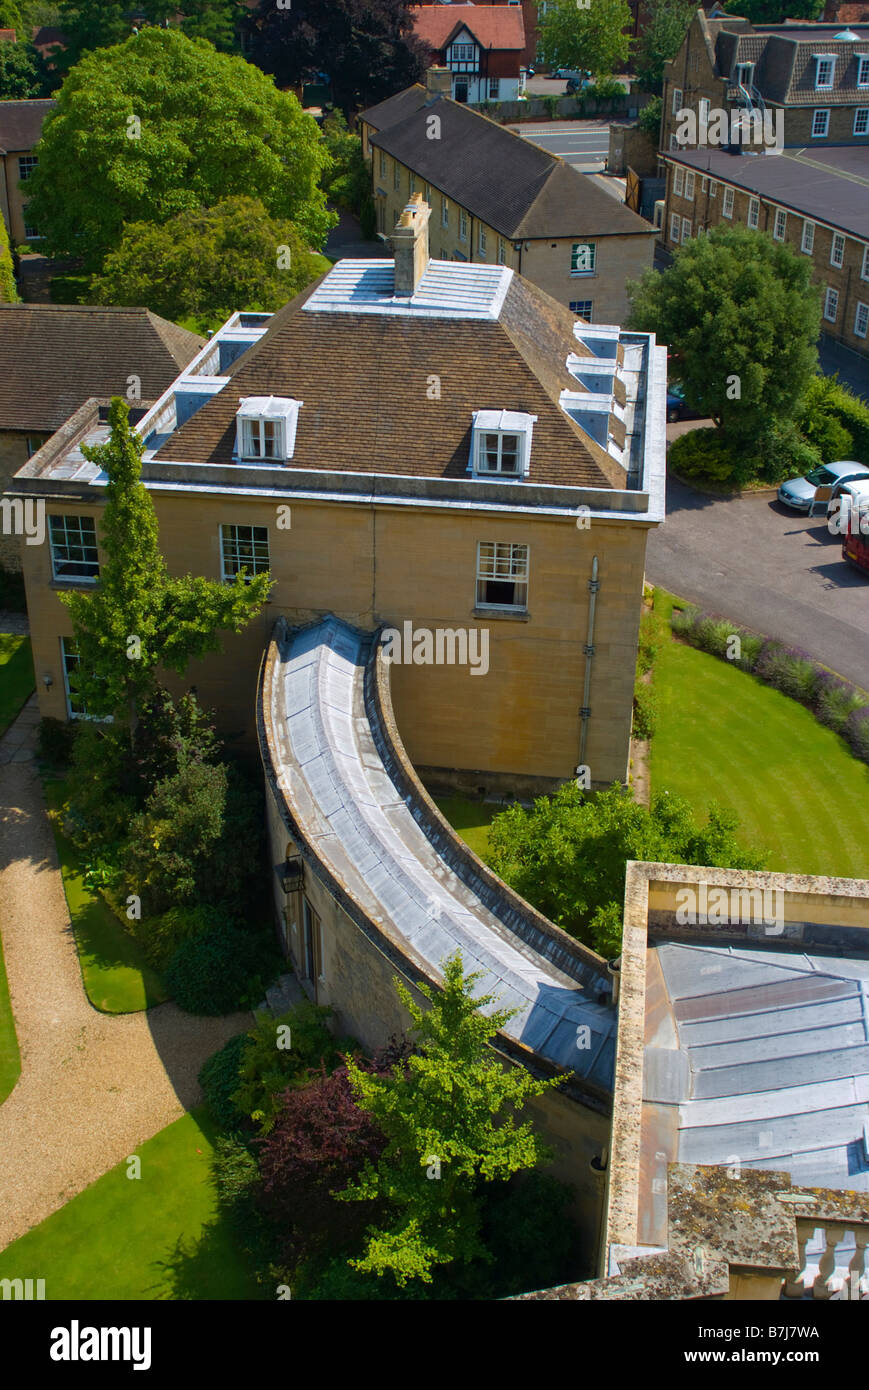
847 497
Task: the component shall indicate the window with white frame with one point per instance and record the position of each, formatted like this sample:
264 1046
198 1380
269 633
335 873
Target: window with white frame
861 320
266 428
831 305
445 212
864 269
675 226
861 120
679 181
807 244
74 554
824 66
243 548
31 231
753 212
727 203
26 165
686 229
463 225
502 575
501 443
780 224
863 70
502 252
583 255
713 188
494 88
582 307
674 143
463 52
820 123
837 251
70 661
689 186
396 176
677 100
428 197
382 165
481 242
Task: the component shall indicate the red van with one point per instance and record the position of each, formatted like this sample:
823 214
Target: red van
855 547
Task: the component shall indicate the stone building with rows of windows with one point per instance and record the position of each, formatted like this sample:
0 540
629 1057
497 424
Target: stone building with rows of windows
497 199
20 131
405 442
815 202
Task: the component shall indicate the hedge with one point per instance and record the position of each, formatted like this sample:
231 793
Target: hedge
8 287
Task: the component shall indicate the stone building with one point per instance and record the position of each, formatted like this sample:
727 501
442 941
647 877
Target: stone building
20 131
497 199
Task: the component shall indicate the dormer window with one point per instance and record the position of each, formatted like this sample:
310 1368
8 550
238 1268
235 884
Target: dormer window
266 428
824 65
501 443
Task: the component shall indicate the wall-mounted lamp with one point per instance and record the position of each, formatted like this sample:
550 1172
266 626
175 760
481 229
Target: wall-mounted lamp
48 680
291 874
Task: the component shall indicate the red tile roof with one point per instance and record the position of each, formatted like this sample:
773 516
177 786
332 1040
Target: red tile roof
493 26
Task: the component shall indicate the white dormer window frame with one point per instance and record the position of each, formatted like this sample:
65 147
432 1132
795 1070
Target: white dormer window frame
863 69
501 444
266 428
825 63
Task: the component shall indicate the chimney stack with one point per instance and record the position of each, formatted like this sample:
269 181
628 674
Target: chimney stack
439 82
410 245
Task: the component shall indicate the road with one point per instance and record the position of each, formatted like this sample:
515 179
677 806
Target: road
776 571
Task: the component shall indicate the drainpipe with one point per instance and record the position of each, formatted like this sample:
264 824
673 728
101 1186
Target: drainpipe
588 652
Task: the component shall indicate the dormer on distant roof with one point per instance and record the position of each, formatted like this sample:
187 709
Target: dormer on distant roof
266 428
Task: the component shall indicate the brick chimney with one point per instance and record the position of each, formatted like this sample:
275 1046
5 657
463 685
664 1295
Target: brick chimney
439 82
410 245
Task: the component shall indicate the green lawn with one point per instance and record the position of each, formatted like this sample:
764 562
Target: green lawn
724 736
470 820
158 1236
17 681
117 978
10 1060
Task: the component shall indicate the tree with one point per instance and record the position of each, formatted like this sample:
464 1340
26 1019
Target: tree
367 47
93 24
775 11
24 74
348 181
138 618
162 124
587 39
567 854
244 259
448 1114
741 317
11 17
664 27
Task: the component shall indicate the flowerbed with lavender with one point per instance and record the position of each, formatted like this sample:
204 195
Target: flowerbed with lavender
834 702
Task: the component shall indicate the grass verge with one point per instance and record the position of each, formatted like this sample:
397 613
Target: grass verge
17 681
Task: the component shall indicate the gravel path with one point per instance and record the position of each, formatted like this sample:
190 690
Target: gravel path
93 1086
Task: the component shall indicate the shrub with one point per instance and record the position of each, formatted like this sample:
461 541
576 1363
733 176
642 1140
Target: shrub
653 633
100 806
835 701
56 738
267 1070
705 455
857 732
218 1078
682 623
528 1229
160 937
173 840
605 89
12 590
645 710
649 118
8 287
783 452
605 930
834 420
550 106
221 971
712 635
169 738
789 670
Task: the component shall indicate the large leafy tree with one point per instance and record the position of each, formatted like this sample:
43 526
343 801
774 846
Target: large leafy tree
24 73
448 1113
162 124
665 24
92 24
366 47
11 16
589 39
244 258
567 854
741 317
139 618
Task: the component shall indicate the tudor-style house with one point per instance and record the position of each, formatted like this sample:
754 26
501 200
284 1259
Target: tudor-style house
483 46
404 441
497 199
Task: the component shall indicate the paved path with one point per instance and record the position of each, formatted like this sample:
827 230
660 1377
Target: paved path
93 1087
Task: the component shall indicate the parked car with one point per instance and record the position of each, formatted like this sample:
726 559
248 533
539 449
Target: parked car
577 84
802 493
854 493
565 74
676 407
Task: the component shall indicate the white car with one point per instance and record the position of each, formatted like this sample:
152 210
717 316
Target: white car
850 497
801 493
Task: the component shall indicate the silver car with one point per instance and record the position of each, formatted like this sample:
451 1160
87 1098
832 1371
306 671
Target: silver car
802 493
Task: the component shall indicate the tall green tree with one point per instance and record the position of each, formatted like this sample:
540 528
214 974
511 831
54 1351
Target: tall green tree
24 73
11 17
162 124
740 316
589 39
92 24
449 1116
775 11
244 259
665 25
138 618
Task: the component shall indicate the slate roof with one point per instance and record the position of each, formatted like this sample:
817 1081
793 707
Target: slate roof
363 828
784 63
21 123
828 184
362 377
493 26
54 356
512 185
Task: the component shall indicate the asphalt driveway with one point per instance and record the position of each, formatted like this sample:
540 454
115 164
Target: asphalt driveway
773 570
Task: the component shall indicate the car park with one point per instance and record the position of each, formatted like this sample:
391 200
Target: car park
804 494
